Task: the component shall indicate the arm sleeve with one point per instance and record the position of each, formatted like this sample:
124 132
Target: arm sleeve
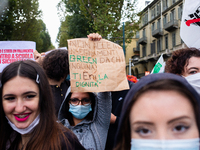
104 105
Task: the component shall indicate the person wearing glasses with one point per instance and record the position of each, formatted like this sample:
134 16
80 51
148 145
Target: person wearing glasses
88 116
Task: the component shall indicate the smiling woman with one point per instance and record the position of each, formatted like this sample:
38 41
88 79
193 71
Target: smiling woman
24 99
27 112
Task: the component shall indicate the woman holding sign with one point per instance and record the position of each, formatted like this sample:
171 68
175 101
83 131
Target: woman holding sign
161 111
88 116
27 118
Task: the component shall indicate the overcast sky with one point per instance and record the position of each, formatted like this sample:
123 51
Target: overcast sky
51 19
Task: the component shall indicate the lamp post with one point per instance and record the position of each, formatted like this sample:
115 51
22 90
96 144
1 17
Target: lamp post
130 59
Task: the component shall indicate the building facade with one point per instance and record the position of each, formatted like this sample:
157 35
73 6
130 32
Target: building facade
159 34
132 53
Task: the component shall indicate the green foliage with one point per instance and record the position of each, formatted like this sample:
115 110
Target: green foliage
7 19
102 16
75 25
20 22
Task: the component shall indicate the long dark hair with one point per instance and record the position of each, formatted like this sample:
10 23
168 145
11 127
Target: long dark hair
48 132
67 115
124 141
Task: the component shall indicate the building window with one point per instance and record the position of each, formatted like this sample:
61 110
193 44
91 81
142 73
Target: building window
180 11
172 15
159 45
166 41
144 33
165 4
158 24
153 13
138 47
145 19
137 35
144 51
174 39
165 19
153 26
173 2
153 47
158 9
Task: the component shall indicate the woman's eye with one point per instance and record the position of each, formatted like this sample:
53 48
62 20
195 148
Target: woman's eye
86 100
180 128
192 72
74 100
143 131
30 96
9 98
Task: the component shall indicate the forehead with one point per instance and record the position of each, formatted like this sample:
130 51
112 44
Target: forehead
161 104
19 84
80 94
193 62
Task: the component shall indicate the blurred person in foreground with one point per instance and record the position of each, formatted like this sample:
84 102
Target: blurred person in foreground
160 111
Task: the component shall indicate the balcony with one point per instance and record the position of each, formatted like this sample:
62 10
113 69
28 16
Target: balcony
136 49
142 40
157 33
171 25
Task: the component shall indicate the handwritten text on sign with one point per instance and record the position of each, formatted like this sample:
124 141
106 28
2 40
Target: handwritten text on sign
93 64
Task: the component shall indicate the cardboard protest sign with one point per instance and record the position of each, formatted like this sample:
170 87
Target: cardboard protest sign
190 24
96 66
11 51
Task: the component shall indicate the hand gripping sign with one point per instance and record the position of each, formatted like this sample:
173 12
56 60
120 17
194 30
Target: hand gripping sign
190 24
11 51
96 66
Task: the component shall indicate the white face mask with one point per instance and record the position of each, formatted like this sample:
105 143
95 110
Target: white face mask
185 144
194 81
27 130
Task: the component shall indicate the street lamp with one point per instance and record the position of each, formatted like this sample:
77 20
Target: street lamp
130 65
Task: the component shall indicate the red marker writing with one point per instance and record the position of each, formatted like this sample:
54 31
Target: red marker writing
189 22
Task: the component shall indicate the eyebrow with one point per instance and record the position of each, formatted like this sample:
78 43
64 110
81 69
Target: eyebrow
169 122
179 118
29 92
143 122
193 68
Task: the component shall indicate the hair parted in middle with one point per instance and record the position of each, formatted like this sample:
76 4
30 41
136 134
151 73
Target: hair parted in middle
47 129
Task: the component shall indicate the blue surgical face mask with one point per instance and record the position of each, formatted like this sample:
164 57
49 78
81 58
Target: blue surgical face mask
185 144
80 111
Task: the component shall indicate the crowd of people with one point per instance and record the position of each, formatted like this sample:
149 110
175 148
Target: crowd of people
38 110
